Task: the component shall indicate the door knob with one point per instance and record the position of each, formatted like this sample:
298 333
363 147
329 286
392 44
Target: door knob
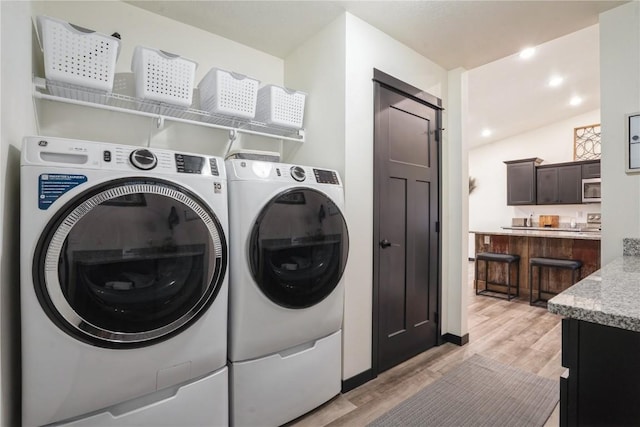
384 243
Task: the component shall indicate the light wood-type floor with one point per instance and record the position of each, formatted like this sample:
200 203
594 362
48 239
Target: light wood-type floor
512 332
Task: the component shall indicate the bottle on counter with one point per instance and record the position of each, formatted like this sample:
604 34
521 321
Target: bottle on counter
530 220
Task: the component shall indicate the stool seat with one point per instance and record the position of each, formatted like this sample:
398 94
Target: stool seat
490 256
570 264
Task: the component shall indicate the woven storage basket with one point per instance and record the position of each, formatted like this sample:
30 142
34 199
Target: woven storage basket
76 55
280 106
163 77
229 94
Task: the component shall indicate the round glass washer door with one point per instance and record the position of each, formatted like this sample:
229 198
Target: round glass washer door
130 262
298 248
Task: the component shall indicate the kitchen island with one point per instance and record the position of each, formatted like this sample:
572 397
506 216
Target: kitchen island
529 243
600 346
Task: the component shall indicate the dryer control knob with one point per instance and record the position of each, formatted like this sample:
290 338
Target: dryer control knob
297 173
143 159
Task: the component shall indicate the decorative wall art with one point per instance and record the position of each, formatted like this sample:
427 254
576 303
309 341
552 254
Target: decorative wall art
586 143
632 132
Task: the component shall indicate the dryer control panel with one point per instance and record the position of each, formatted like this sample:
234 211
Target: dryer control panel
324 176
243 169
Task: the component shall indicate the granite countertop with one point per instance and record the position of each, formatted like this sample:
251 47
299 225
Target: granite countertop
540 232
610 296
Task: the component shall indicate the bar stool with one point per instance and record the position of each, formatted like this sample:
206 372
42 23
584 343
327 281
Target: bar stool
509 259
567 264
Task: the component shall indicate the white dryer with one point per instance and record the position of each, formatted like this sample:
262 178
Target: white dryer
123 285
288 254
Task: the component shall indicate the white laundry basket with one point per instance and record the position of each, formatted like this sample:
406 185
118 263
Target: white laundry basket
163 77
280 106
76 55
229 94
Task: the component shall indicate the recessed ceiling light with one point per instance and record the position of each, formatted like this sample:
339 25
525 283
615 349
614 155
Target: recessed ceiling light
527 53
555 81
576 100
486 132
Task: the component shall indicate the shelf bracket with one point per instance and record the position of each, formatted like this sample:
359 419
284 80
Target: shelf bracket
159 122
233 135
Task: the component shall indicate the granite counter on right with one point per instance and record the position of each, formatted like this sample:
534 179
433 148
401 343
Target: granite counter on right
601 344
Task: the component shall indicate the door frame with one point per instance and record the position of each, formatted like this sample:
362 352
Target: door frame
383 80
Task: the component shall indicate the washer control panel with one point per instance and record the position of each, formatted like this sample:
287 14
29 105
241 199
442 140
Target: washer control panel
98 155
188 164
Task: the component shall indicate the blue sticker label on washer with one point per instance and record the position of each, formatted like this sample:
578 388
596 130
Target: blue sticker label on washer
52 186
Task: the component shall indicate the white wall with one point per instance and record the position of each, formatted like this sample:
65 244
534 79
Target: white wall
368 48
318 68
488 208
620 95
16 120
455 203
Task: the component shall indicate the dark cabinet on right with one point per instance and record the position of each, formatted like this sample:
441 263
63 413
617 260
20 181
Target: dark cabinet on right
529 183
559 184
601 386
591 169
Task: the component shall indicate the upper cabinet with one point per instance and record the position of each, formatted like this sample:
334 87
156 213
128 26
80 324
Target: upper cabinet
559 184
521 181
529 183
591 169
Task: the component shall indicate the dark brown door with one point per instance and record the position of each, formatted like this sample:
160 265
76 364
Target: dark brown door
406 257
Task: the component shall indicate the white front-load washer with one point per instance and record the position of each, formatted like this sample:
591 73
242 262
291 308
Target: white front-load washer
123 264
290 247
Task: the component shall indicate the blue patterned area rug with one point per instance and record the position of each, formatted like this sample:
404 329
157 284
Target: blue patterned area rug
478 392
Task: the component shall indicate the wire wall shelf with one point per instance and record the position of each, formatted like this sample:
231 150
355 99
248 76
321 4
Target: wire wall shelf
70 94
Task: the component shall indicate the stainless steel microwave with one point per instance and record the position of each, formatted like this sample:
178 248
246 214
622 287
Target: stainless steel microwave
591 190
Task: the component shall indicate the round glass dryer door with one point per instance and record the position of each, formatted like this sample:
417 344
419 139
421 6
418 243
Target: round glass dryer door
130 262
298 248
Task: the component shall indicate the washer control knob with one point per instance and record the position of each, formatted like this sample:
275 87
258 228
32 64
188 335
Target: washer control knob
297 173
143 159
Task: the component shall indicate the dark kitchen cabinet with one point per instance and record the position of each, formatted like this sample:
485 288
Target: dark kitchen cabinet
601 386
521 181
559 184
591 169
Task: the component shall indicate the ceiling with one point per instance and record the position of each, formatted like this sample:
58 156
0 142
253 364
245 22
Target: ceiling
505 93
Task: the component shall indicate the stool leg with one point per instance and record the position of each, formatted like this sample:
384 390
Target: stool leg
508 281
486 275
531 284
476 275
575 277
518 279
539 282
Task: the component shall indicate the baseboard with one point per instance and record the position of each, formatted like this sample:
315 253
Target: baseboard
454 339
358 380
